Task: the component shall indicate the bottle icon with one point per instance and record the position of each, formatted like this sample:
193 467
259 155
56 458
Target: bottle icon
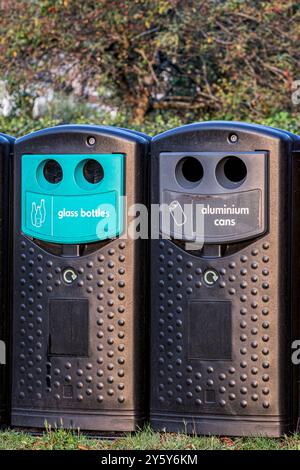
38 213
43 211
38 217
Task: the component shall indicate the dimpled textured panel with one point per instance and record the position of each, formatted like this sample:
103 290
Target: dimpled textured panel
247 385
99 382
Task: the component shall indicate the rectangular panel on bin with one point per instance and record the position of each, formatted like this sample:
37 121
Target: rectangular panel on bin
210 332
233 213
69 327
73 210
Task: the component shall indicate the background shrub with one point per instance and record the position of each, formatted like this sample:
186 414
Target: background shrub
158 63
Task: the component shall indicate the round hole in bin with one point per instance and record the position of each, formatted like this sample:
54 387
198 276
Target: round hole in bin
93 171
189 172
231 172
52 171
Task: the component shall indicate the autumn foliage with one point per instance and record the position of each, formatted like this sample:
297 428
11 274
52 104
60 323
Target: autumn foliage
198 58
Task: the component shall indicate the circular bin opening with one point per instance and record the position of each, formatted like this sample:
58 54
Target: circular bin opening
189 172
93 171
52 171
231 172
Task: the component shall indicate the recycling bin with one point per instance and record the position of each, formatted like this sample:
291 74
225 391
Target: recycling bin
6 148
221 296
79 305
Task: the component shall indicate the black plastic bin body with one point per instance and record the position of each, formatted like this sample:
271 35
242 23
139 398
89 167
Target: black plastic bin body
6 148
94 377
221 317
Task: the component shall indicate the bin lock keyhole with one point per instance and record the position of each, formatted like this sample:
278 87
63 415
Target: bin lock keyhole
69 275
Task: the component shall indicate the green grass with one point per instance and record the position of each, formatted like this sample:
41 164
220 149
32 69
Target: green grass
144 440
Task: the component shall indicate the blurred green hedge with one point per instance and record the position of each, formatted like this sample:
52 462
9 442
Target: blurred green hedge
165 62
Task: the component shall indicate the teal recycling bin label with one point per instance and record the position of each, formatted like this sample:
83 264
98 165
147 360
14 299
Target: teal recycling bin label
72 210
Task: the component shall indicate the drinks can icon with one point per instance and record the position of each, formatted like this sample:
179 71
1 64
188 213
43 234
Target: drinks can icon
177 213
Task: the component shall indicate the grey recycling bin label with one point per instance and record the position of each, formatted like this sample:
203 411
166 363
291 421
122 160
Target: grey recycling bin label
213 218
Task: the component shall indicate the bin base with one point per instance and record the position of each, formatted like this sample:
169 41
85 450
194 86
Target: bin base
111 421
272 426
